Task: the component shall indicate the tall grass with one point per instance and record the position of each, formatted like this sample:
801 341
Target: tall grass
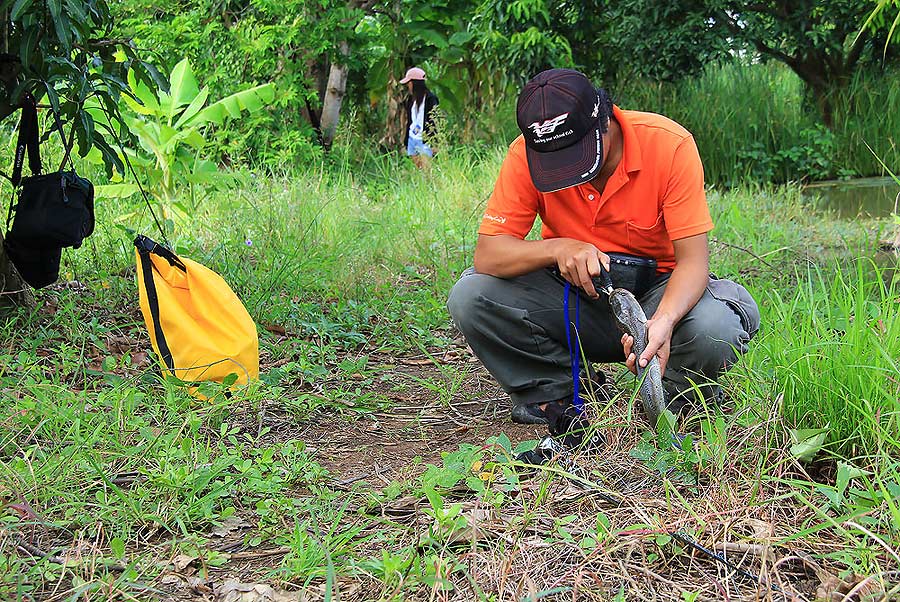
869 115
832 350
755 123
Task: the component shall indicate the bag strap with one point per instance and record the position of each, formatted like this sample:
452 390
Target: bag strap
28 141
54 107
147 245
145 248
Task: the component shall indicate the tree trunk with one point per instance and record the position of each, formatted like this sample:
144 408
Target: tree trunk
393 126
13 291
822 97
334 96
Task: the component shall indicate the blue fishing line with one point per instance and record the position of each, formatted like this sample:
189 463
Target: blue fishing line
574 355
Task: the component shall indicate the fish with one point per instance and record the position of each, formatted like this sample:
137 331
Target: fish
631 319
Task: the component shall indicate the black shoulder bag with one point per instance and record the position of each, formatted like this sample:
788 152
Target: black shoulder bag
51 211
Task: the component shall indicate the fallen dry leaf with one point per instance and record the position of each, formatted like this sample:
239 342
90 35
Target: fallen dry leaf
275 329
140 359
835 589
24 510
233 590
232 523
182 561
119 344
416 362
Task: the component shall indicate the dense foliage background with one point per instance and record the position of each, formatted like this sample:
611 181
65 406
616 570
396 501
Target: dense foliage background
773 91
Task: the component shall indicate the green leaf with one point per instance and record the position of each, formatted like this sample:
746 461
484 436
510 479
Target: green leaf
461 37
143 93
845 472
111 158
526 445
53 97
29 46
250 100
807 442
60 23
665 428
117 546
193 108
503 441
76 9
230 379
183 87
430 36
19 8
115 191
87 122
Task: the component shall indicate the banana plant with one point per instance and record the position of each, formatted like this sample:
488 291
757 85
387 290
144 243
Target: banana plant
170 127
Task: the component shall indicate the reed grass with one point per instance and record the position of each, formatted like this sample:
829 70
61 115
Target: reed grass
754 122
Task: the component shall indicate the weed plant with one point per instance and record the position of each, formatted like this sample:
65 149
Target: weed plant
835 357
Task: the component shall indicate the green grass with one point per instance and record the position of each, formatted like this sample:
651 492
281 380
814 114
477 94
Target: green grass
354 261
835 354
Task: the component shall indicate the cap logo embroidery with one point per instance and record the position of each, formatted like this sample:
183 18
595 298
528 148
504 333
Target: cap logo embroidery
596 110
549 126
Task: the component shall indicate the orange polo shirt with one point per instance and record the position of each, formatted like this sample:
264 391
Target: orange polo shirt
655 195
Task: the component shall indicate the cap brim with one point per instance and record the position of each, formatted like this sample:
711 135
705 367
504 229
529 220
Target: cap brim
567 167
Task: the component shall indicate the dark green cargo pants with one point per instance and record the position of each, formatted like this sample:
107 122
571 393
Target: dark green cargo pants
517 328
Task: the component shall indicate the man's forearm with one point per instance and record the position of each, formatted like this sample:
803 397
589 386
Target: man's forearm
507 256
683 290
688 280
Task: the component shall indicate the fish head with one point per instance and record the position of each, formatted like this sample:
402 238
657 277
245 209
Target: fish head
622 302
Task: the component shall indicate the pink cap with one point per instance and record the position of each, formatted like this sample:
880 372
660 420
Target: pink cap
413 73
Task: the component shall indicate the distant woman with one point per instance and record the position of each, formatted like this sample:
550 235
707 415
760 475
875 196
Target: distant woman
419 118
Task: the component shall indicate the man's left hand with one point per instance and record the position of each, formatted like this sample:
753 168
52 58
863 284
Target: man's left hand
659 341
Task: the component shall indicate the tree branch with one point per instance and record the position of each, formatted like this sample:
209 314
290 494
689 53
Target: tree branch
760 46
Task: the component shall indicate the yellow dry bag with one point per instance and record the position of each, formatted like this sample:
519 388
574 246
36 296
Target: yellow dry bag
198 327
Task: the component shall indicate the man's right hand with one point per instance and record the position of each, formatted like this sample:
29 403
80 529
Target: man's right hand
579 261
506 256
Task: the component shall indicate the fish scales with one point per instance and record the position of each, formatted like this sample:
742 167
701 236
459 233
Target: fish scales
631 319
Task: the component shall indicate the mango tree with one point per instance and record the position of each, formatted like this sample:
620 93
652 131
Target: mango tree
820 41
62 52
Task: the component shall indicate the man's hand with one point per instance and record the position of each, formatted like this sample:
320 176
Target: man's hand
683 289
659 341
578 261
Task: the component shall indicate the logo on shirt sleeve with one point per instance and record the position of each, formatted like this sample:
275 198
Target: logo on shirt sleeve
495 218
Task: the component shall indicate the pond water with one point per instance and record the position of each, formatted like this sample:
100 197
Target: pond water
873 197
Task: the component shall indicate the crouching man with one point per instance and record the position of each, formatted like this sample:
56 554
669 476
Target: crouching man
621 189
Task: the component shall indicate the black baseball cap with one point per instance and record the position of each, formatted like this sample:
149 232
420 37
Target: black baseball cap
559 114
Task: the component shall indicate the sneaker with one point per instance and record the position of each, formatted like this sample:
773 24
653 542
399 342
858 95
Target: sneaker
571 427
528 414
542 453
533 414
